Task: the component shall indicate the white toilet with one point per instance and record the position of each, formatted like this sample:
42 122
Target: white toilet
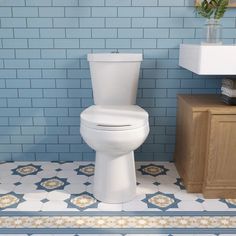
114 127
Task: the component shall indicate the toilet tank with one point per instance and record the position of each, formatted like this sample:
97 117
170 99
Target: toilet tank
114 77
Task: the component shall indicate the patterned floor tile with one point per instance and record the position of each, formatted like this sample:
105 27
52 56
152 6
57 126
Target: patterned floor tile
59 195
54 206
82 201
161 201
30 205
10 200
50 184
25 170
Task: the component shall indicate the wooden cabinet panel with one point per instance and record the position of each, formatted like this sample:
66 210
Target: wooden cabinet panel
205 154
220 173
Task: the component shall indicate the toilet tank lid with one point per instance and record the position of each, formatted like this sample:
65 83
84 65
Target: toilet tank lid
119 57
114 117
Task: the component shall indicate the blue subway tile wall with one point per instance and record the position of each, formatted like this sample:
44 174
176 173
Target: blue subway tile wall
45 80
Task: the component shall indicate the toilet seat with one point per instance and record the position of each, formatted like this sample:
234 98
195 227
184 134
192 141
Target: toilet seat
114 118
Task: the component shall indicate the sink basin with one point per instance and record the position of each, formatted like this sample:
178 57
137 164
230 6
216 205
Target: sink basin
208 59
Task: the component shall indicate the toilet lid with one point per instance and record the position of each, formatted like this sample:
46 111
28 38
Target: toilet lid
114 117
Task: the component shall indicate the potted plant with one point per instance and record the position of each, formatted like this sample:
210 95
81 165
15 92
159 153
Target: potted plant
213 10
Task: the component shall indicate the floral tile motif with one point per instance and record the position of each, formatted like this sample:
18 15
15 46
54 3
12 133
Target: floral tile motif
25 170
153 170
231 203
10 200
179 183
161 201
82 201
53 183
87 170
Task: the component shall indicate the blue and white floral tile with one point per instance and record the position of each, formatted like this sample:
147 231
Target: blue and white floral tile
77 177
82 201
161 201
52 183
26 170
10 200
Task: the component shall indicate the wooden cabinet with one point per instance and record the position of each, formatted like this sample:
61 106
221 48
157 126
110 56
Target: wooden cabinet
205 154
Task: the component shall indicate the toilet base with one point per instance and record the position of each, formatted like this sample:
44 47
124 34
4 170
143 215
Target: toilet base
115 178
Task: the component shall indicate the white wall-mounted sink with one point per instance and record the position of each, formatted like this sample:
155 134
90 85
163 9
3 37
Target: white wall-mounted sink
208 59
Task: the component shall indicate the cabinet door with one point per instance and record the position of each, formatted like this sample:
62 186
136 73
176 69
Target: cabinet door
220 172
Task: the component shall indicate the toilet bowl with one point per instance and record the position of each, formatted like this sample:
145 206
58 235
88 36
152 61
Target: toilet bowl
114 127
114 132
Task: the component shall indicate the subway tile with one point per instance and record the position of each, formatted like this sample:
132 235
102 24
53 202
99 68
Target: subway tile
44 102
56 112
29 73
27 53
130 11
77 11
46 139
92 22
38 3
118 22
25 11
16 63
92 3
22 121
78 33
105 33
144 22
53 53
13 22
156 33
171 3
10 148
156 12
31 112
52 33
12 3
38 63
26 33
19 102
130 33
31 130
51 11
51 93
31 93
39 22
170 22
182 12
45 121
14 43
9 111
34 148
118 43
47 83
145 3
92 43
6 33
8 93
104 12
67 43
65 22
141 43
40 43
22 139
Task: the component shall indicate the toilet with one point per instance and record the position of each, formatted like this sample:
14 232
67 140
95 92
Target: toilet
114 127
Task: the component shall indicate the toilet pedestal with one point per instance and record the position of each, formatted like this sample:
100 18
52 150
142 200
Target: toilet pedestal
115 178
